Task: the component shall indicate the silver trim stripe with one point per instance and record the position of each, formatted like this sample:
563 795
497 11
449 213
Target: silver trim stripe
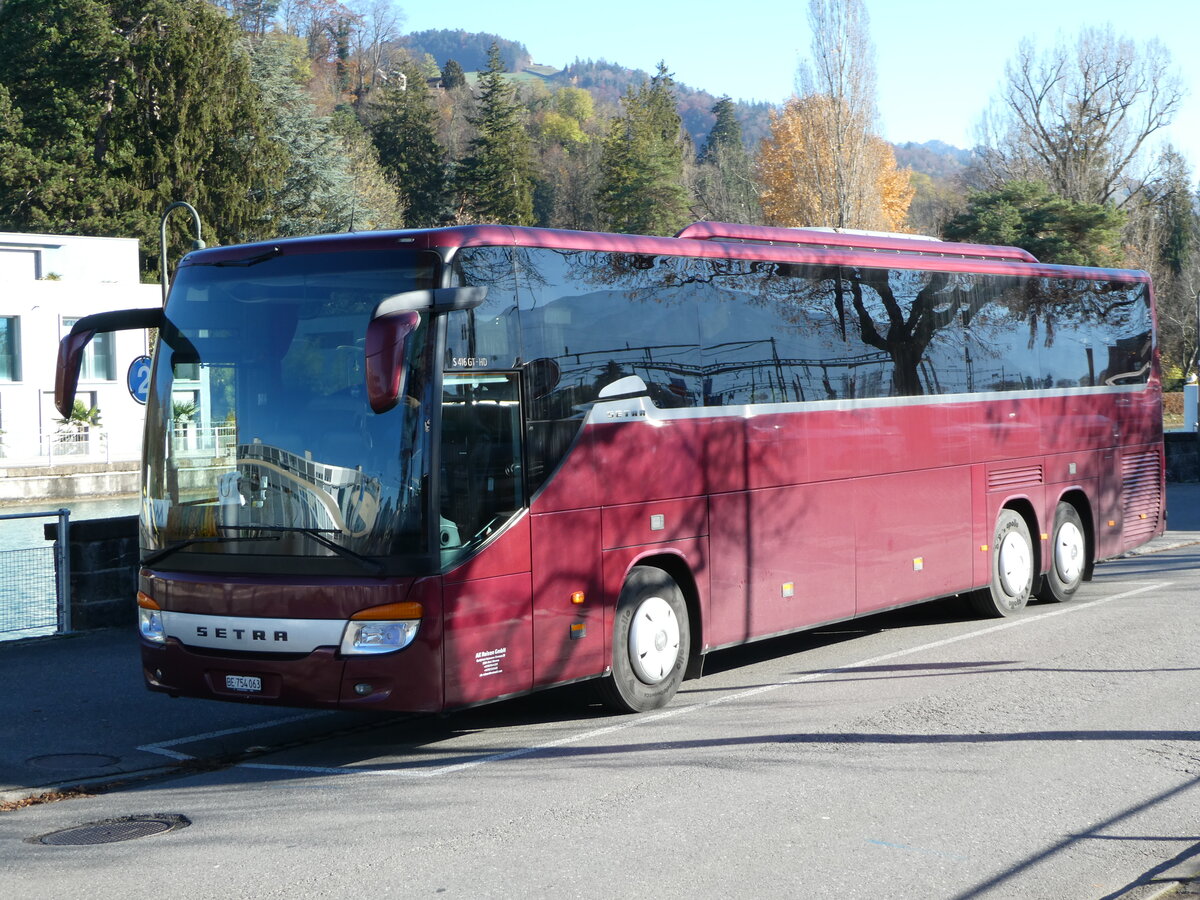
642 408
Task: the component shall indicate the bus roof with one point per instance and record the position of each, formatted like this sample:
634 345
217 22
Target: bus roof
887 242
702 239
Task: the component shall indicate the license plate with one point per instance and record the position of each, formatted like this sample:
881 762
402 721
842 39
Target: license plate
243 683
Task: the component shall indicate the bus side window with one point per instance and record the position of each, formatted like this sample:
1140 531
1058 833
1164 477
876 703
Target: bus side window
481 474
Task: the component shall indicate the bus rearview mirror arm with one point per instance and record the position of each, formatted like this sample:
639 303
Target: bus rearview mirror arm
393 320
435 300
71 347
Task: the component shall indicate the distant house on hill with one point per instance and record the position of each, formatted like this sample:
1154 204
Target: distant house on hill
49 282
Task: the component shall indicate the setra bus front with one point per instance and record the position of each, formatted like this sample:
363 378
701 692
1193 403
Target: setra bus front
288 543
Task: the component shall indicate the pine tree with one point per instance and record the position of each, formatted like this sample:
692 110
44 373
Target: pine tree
1027 215
496 177
125 106
1175 210
453 75
726 133
642 189
317 194
1163 237
725 187
404 130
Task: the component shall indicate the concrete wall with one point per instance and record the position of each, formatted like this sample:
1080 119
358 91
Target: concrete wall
81 481
104 567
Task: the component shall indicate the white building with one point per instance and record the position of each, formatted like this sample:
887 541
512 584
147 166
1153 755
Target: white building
46 283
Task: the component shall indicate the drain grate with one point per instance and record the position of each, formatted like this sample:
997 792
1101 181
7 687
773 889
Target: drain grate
126 828
67 762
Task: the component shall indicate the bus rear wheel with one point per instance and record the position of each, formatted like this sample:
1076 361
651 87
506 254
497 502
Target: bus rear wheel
1068 556
1012 568
651 641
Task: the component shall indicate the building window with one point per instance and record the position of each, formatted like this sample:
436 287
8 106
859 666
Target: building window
99 359
10 348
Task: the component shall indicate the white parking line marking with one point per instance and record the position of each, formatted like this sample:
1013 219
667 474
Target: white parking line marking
435 772
161 746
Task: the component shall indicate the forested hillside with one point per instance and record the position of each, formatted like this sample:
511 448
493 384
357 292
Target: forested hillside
292 117
311 116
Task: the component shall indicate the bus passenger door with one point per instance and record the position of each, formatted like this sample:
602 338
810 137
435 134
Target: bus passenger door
487 597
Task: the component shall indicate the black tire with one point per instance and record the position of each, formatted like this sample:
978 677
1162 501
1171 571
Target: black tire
1068 556
651 641
1012 568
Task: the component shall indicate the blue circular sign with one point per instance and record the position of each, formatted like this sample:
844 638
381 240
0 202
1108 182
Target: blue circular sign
138 379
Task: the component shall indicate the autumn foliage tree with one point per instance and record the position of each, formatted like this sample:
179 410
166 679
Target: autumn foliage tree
796 166
822 164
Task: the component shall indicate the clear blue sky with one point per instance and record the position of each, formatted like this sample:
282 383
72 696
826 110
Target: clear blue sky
938 62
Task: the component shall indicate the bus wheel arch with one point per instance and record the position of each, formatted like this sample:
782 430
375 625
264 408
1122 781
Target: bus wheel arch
652 637
1071 550
1014 563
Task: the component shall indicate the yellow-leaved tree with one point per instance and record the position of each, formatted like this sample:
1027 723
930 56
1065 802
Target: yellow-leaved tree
805 183
822 164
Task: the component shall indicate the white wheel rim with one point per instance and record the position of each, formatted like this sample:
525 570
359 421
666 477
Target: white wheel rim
1016 565
1068 552
653 640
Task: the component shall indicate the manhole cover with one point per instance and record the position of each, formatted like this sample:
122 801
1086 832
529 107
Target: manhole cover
69 762
110 831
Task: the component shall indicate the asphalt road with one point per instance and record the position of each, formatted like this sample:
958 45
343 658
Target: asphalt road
916 754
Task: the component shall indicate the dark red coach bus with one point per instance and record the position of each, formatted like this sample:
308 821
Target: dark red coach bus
421 470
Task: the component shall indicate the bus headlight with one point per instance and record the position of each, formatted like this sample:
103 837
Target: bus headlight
382 629
150 619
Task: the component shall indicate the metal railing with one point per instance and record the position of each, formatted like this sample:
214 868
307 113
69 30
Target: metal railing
65 446
35 594
191 439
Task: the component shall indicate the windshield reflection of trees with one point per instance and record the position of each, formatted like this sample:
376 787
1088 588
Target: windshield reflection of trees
286 381
722 331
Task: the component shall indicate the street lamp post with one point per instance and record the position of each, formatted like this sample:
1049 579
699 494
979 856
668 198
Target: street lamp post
197 242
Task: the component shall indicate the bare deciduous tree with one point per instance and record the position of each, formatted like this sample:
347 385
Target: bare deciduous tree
373 43
843 70
1077 116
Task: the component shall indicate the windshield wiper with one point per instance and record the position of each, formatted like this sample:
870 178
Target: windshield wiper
164 552
246 261
373 566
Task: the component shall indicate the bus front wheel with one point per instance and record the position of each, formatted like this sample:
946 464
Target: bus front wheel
1068 556
1012 568
651 640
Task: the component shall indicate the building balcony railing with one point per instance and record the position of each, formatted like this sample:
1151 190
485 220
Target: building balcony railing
66 446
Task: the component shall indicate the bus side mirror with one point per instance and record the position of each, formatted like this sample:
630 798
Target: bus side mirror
71 347
66 377
541 376
385 357
393 320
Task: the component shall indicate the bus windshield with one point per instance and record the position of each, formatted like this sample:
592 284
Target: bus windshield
262 449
